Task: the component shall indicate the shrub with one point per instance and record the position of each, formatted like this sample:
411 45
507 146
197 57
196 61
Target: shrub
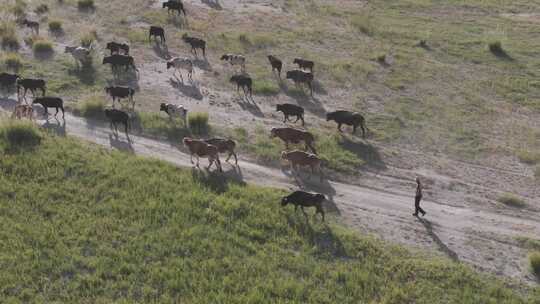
265 87
496 47
9 37
55 26
534 259
18 134
85 4
91 107
88 38
159 125
12 61
511 200
198 122
41 9
42 46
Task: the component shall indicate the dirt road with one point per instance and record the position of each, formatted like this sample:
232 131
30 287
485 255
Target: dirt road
482 238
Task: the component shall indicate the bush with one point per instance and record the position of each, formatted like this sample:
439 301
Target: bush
41 9
511 200
9 37
88 38
85 4
92 107
55 26
159 125
534 259
19 134
265 87
198 123
42 46
12 61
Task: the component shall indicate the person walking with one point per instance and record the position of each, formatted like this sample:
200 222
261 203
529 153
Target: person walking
418 198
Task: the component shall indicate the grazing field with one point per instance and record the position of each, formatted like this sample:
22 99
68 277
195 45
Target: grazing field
101 227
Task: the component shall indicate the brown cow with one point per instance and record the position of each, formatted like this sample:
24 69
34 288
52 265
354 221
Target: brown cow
201 149
224 146
299 159
23 110
295 136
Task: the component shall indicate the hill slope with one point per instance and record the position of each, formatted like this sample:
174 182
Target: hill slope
80 224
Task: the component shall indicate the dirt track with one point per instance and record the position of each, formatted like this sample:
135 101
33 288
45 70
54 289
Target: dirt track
479 237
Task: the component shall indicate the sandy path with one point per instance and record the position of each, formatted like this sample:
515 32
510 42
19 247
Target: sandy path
482 238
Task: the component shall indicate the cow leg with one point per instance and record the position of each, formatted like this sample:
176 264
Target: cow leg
310 88
304 212
218 164
339 127
285 117
363 131
191 157
354 129
321 211
210 162
56 112
302 118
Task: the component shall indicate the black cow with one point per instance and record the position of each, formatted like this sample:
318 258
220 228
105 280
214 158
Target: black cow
156 31
174 6
289 109
304 64
276 64
115 47
30 84
8 80
349 118
305 199
118 116
117 61
243 81
50 102
299 76
195 43
118 92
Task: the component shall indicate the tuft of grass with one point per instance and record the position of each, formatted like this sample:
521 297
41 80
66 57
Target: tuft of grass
19 134
158 125
265 87
12 61
42 46
534 260
86 5
511 200
42 9
528 157
364 23
91 107
55 26
88 38
133 223
198 123
8 37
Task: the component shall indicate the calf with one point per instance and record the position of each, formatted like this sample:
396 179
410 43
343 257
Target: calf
289 109
243 81
201 149
33 25
349 118
117 61
299 159
299 77
276 64
195 43
179 63
156 31
23 110
304 64
79 53
118 116
305 199
8 80
30 84
116 47
235 60
118 92
174 6
50 102
295 136
174 111
224 146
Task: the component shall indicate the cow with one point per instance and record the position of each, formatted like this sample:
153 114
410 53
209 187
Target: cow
291 135
289 109
201 149
299 159
305 199
349 118
50 102
224 146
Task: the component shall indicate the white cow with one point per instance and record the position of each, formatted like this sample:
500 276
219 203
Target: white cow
175 111
181 63
79 53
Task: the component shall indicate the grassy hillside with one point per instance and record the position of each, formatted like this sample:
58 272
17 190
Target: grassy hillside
79 224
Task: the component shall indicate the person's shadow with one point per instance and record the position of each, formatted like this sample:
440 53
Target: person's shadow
442 246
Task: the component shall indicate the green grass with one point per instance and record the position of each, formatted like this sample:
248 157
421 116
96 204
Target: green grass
92 106
534 259
159 125
55 26
198 123
265 87
103 227
42 46
17 135
12 61
511 200
528 243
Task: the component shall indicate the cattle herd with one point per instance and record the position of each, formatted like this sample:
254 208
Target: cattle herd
121 61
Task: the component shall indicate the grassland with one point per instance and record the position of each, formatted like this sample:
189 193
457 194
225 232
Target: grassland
96 226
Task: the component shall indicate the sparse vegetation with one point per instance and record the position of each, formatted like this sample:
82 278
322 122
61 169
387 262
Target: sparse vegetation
534 259
528 157
16 135
91 107
55 26
42 47
161 126
42 9
8 37
511 200
265 87
363 23
88 38
132 224
86 4
198 123
12 61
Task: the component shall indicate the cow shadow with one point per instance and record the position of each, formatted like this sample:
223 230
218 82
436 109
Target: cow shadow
369 153
213 4
216 181
310 103
119 144
318 87
191 90
248 104
128 79
58 128
178 21
442 246
8 104
161 50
